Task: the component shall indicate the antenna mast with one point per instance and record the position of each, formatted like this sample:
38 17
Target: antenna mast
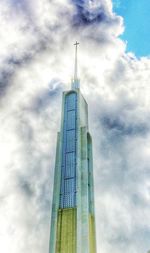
76 61
75 83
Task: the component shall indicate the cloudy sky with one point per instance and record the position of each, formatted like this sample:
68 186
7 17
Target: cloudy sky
36 65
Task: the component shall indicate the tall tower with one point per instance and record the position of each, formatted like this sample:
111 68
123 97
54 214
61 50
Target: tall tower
73 218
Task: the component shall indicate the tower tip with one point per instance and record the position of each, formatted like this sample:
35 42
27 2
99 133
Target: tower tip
75 82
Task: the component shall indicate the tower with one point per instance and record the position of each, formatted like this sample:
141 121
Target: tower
73 219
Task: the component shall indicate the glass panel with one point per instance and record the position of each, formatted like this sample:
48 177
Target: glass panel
69 200
69 185
70 165
71 101
71 120
70 145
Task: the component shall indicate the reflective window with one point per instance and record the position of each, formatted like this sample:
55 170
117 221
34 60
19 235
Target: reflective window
70 165
68 173
71 101
71 120
69 185
70 143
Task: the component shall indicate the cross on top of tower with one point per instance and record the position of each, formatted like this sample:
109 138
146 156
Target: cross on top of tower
76 44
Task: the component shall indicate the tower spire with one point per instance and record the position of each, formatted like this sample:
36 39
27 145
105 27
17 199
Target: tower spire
73 216
75 83
76 61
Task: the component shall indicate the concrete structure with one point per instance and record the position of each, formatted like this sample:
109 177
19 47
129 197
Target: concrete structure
73 219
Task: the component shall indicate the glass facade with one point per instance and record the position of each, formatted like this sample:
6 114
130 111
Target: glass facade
73 219
68 166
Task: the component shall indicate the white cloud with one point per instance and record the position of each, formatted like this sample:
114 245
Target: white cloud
36 64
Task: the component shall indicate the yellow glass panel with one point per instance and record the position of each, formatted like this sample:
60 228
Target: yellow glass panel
66 231
92 238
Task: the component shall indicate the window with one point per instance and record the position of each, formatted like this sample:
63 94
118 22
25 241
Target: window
71 119
68 173
70 165
70 141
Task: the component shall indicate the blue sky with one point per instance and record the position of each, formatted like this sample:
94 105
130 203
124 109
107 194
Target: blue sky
136 14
